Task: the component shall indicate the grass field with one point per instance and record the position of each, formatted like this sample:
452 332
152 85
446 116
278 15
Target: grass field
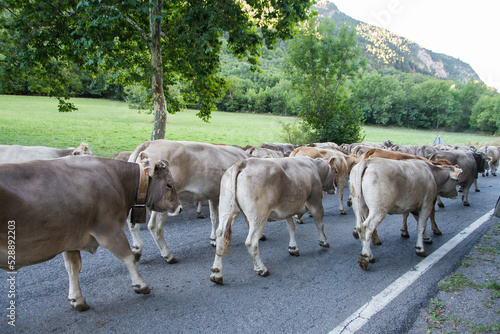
110 126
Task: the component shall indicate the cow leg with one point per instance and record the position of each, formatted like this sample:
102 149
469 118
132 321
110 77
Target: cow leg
318 213
293 249
439 202
137 242
366 231
155 226
252 244
340 194
214 217
116 241
298 218
426 237
476 188
199 211
434 226
404 226
465 195
223 240
493 168
73 264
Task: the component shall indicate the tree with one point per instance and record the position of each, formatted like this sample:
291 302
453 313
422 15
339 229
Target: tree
156 43
486 114
320 63
435 104
380 99
466 97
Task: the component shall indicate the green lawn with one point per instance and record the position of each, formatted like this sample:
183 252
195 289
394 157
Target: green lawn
110 126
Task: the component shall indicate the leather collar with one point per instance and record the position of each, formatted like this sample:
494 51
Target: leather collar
143 185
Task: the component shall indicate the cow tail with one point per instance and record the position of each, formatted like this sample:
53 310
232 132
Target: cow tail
358 190
233 207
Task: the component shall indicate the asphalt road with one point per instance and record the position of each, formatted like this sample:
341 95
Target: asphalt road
312 293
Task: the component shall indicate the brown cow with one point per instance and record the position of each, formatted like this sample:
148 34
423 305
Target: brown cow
197 169
71 204
269 190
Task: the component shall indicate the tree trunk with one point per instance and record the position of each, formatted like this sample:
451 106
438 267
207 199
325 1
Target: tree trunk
157 94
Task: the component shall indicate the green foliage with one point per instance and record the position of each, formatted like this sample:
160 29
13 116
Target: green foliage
320 65
486 114
157 44
297 133
138 98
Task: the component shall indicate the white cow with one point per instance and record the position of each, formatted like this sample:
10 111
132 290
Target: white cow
19 153
382 186
268 190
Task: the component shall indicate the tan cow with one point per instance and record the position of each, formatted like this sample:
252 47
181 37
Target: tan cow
343 163
492 154
260 152
269 190
382 186
71 204
197 169
19 153
394 155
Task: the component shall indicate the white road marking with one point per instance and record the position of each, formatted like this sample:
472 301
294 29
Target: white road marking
378 302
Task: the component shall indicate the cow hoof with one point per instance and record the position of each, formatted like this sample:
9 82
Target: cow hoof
427 241
200 215
213 242
263 273
80 306
478 190
293 251
216 279
441 205
171 260
494 174
376 241
437 232
299 221
263 238
405 234
324 244
363 262
349 203
466 204
422 254
342 212
141 290
355 234
216 276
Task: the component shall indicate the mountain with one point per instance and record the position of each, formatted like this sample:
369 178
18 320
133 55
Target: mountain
383 49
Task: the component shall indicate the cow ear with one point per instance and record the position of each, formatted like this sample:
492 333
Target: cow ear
332 161
163 164
146 162
148 165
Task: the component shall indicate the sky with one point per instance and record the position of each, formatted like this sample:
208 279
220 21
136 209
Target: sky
467 30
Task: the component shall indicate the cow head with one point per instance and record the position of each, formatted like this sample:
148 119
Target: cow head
448 189
329 181
83 149
161 195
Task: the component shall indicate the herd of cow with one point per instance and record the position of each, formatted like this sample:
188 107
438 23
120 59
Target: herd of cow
64 201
